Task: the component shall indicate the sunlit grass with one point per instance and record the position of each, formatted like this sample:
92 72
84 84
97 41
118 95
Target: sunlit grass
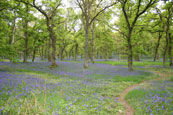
135 63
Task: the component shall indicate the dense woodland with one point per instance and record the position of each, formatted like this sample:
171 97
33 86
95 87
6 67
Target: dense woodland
86 30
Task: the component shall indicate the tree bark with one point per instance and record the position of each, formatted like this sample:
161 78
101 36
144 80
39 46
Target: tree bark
42 53
164 53
54 51
71 52
81 56
130 52
33 56
167 36
49 51
45 52
92 43
97 54
53 38
86 46
157 46
170 50
137 57
76 51
62 52
13 32
26 36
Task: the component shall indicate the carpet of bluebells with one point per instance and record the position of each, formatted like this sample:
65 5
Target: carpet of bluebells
34 88
75 69
153 98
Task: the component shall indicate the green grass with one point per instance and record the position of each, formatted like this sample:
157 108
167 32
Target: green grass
171 78
41 102
35 102
153 98
135 63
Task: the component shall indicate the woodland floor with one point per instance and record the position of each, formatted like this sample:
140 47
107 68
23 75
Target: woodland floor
105 88
128 108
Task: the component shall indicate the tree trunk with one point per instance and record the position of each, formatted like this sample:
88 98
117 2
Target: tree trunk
13 35
67 55
130 52
33 56
86 45
157 46
26 37
53 38
13 32
62 52
76 51
42 53
81 56
45 52
170 50
167 38
71 52
137 57
92 43
49 51
164 53
54 52
97 55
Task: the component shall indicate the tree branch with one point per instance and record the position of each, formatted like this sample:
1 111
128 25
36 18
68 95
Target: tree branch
35 6
125 13
40 10
143 11
54 10
101 11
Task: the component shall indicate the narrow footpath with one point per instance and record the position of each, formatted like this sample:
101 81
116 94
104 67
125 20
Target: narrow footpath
128 109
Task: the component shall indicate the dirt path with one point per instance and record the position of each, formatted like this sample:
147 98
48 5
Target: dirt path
128 109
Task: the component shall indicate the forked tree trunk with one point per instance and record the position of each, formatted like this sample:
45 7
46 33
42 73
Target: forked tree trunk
157 46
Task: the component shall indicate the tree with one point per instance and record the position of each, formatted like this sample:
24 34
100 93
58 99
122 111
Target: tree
87 6
169 12
132 10
49 13
26 21
159 29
